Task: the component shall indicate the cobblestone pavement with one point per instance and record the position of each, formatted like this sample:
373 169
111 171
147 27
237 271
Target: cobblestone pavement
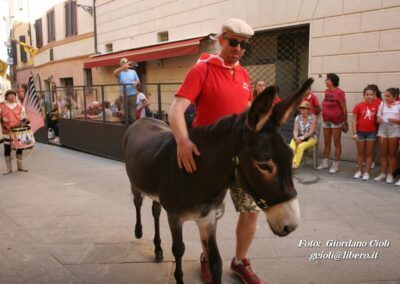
70 219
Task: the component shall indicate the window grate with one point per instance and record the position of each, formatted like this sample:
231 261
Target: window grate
279 58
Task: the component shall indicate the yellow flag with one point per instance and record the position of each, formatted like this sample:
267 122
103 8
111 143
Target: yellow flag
3 68
29 49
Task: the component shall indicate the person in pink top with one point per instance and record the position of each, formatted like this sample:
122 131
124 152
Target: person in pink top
334 113
389 132
20 95
364 131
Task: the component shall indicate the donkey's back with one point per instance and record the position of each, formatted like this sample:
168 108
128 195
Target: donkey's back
152 167
148 150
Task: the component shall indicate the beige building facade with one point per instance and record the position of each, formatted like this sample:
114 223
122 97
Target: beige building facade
22 60
64 38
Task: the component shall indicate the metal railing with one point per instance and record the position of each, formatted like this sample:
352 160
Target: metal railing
108 103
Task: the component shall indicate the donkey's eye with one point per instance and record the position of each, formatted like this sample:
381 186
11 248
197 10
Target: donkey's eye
266 166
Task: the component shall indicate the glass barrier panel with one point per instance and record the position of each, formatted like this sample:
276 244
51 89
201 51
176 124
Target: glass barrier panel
93 103
113 104
75 102
61 99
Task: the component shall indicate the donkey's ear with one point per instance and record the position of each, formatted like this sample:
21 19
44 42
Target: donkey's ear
284 109
261 109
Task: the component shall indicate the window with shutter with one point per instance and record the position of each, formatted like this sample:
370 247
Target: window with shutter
51 32
70 19
22 50
38 29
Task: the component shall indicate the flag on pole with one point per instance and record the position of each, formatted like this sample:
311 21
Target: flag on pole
32 106
3 68
32 51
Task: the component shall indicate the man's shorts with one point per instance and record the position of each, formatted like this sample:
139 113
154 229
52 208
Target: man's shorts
329 124
242 201
389 130
366 136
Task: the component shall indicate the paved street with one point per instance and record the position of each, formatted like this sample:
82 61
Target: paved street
71 218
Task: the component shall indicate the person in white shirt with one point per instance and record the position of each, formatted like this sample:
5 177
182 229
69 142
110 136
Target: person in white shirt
389 132
141 102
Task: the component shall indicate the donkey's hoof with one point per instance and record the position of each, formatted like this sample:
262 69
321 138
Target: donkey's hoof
159 255
138 232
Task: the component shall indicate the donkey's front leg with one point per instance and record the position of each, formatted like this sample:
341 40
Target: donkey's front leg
138 200
178 247
208 229
156 209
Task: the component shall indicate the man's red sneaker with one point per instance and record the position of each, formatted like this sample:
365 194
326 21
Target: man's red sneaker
205 272
245 272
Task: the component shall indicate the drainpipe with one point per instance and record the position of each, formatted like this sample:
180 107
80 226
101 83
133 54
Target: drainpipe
29 22
96 51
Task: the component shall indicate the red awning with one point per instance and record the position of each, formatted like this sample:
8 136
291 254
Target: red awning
166 50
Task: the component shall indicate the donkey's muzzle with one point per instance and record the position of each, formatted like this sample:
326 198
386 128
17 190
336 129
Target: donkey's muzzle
283 218
286 230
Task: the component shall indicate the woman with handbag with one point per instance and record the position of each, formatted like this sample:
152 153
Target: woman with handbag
334 113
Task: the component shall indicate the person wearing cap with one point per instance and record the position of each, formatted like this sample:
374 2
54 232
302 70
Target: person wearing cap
305 126
12 114
218 86
129 77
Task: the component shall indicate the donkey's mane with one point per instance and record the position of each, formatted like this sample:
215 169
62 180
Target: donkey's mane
213 132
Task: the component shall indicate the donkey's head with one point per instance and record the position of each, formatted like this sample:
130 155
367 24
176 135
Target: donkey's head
265 160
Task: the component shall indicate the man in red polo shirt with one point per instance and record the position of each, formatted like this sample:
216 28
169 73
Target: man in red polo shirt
218 85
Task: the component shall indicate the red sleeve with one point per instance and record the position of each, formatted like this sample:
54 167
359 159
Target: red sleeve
191 86
315 101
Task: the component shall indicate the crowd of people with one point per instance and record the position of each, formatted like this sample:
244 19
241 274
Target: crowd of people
374 118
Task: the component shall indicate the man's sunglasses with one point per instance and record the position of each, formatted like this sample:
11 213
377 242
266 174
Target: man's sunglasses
234 42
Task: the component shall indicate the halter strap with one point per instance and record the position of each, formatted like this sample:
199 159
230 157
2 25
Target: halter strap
257 199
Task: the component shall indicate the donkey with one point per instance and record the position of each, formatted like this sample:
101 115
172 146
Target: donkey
247 148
